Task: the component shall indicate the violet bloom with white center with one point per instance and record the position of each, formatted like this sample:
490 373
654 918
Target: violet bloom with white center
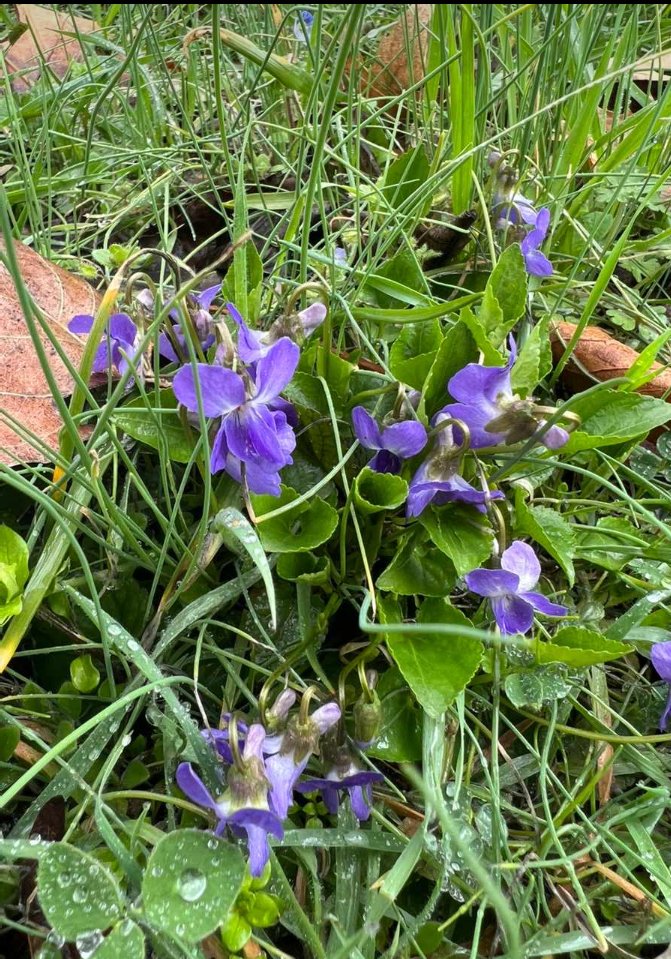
202 324
510 590
119 345
351 779
660 654
243 806
393 443
438 481
493 414
536 263
293 750
250 431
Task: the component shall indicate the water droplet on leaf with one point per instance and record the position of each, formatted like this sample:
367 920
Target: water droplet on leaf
191 885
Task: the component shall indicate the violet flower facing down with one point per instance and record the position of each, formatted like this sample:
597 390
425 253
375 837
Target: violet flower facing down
243 806
357 783
303 26
437 480
493 414
510 590
536 263
293 749
202 324
252 436
660 654
119 342
392 444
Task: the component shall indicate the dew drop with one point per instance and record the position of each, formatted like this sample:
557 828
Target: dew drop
180 929
127 739
79 895
191 885
65 877
87 943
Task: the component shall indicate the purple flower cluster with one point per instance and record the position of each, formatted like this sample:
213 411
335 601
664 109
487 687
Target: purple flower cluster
487 413
263 769
202 325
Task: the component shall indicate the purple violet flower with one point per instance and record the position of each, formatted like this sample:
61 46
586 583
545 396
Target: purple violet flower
510 589
303 26
493 414
660 654
293 750
393 444
120 339
251 433
437 480
514 209
536 263
357 783
243 806
202 323
254 344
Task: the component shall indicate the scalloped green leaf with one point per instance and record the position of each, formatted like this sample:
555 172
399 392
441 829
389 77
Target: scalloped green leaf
437 668
374 492
307 525
191 883
77 893
579 647
125 941
460 533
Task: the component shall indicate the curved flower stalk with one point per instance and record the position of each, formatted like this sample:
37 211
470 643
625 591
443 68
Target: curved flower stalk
510 590
438 481
493 413
392 445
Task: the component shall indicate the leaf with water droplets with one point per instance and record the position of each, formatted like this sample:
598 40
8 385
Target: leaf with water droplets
78 895
191 882
236 530
125 941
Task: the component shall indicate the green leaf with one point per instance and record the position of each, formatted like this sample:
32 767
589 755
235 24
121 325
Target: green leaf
399 280
304 568
413 353
10 736
374 492
84 674
491 355
610 417
534 361
236 531
418 570
13 572
251 280
404 176
298 530
550 530
336 371
457 349
437 668
191 883
531 688
399 738
76 892
159 427
461 533
578 647
125 941
611 544
508 283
